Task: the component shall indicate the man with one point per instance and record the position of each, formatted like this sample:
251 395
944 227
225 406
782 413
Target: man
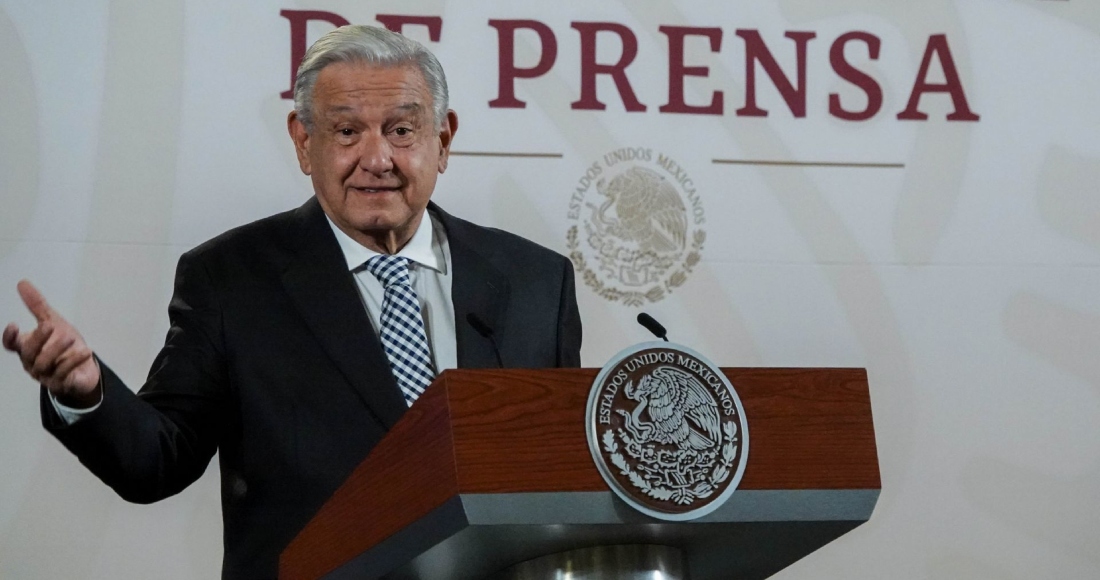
297 341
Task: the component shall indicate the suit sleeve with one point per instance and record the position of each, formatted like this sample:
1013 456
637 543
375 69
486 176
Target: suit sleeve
569 321
153 444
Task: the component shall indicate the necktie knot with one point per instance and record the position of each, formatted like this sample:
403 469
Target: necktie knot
390 270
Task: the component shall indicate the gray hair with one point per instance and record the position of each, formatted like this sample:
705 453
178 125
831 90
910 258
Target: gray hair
370 45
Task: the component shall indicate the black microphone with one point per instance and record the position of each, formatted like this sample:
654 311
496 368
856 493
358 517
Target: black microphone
484 330
652 325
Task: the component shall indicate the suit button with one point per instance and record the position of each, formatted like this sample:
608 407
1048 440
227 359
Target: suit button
239 487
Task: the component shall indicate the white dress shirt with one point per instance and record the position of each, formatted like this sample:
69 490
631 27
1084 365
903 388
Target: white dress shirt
430 272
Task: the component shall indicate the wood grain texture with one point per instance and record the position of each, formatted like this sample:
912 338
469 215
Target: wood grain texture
523 431
808 429
514 431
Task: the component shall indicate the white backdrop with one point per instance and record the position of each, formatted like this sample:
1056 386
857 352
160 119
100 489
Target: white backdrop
964 276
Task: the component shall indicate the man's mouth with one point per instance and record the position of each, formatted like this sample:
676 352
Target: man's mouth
376 189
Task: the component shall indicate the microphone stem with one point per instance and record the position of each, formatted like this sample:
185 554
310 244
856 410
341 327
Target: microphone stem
496 351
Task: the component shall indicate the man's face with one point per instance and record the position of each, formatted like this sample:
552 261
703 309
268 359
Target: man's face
374 152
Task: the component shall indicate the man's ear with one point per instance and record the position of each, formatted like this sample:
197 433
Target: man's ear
300 136
446 136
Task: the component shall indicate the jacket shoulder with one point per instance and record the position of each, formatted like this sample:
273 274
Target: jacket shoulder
268 231
497 244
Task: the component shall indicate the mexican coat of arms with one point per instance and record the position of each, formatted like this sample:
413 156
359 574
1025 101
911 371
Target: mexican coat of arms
667 431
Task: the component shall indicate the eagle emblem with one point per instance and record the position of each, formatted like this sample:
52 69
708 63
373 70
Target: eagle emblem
667 431
680 411
638 226
649 211
648 231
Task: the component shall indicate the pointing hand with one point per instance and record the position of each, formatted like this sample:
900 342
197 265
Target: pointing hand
54 353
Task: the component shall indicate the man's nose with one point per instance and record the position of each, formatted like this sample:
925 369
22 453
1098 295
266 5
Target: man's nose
376 154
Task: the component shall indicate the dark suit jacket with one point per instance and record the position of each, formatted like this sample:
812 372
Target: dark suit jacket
272 361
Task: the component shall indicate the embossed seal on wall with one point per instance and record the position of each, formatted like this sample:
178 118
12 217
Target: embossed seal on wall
667 431
638 226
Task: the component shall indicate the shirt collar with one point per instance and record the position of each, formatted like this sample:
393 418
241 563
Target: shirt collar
424 248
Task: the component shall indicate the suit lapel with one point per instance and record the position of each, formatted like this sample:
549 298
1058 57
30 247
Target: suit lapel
323 290
477 287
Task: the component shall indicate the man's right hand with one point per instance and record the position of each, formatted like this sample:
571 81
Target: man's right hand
54 353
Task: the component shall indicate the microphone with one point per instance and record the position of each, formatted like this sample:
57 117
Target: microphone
484 330
653 326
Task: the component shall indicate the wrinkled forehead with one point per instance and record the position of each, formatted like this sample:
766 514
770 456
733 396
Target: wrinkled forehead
355 86
406 110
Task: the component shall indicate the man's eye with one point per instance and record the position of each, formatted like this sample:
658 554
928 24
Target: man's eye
347 132
402 131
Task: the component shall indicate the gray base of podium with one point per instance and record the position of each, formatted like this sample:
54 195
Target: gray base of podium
485 536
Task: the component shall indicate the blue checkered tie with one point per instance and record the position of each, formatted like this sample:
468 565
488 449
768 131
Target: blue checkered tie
402 331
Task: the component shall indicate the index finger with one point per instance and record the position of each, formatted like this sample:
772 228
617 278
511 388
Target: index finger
34 301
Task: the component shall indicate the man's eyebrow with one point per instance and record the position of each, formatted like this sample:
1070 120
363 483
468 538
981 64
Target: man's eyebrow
335 110
341 109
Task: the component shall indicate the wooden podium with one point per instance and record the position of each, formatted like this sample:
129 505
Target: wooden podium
491 468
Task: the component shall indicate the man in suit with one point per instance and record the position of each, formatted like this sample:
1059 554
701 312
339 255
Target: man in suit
294 347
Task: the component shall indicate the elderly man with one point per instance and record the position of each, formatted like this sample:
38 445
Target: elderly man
297 341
